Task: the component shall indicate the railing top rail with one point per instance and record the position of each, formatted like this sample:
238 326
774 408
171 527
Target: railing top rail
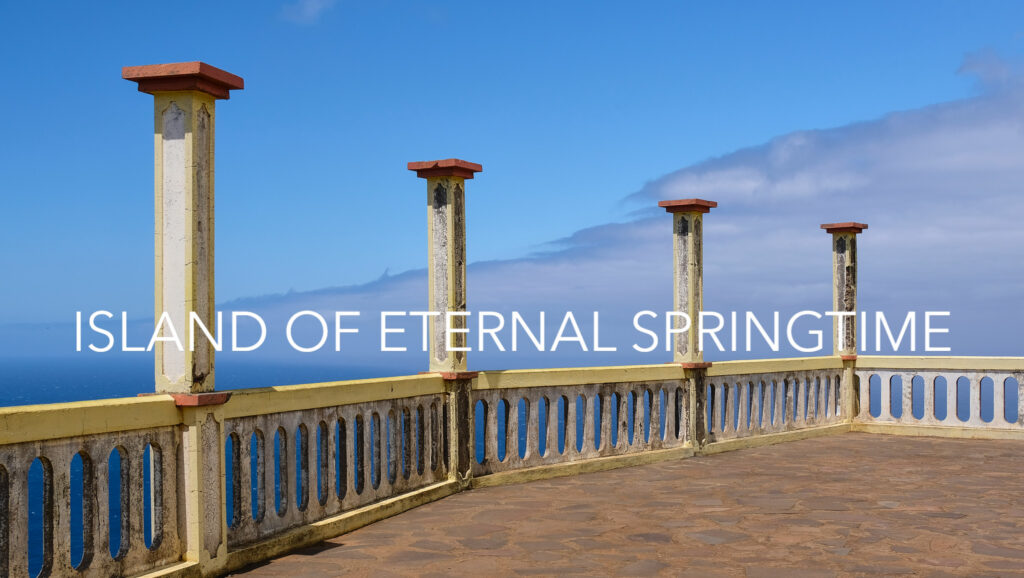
754 366
513 378
950 363
261 401
27 423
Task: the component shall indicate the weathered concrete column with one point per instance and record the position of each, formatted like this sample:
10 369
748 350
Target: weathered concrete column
844 300
844 284
184 94
688 296
446 265
184 97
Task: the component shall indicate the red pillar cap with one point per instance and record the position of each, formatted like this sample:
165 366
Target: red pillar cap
847 227
183 76
445 168
688 206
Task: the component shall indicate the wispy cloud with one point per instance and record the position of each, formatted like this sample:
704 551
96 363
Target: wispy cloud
942 188
306 11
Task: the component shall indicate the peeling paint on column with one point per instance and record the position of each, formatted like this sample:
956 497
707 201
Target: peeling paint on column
202 304
174 238
844 292
438 268
682 276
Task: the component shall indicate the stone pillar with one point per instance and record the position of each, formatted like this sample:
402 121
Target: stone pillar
844 299
844 284
688 296
184 95
446 264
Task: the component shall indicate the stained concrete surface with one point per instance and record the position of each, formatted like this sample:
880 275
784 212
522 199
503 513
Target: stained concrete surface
842 505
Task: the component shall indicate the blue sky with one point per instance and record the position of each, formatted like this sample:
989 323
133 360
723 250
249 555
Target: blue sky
583 114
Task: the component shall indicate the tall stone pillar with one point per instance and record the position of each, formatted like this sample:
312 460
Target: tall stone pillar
844 300
446 264
688 263
844 284
688 298
184 95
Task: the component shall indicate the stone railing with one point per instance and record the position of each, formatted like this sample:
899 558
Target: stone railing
300 455
755 398
534 418
959 396
144 434
210 484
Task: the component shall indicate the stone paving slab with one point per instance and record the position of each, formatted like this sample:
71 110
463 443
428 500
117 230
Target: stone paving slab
842 505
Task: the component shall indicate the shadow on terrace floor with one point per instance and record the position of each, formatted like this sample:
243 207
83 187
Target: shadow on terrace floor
851 503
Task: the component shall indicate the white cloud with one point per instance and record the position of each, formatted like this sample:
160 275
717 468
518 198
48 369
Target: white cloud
942 188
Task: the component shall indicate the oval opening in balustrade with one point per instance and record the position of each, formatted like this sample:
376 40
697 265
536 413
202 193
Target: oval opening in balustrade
542 426
742 408
596 420
301 467
502 429
340 458
405 425
323 458
1011 399
562 407
711 396
232 482
679 413
375 450
774 415
153 493
280 471
662 413
613 419
875 395
420 440
631 417
647 400
523 433
40 517
480 430
827 397
581 421
358 460
836 404
986 396
896 396
941 405
963 398
917 396
118 504
390 451
436 437
257 476
81 492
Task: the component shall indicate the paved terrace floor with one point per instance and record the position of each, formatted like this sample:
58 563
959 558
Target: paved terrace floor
846 504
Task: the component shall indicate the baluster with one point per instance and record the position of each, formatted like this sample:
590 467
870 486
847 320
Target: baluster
801 391
791 386
975 397
908 397
730 408
715 427
998 401
885 396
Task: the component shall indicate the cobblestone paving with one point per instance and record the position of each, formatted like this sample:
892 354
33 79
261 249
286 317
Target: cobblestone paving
840 505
